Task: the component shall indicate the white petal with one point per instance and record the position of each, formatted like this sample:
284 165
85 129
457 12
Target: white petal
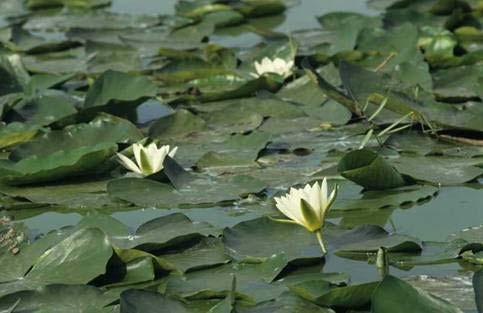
266 62
279 63
323 194
151 149
286 206
314 198
258 68
158 159
136 148
311 195
293 200
332 195
128 163
173 152
152 156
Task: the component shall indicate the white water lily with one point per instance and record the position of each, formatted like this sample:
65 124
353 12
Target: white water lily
276 66
149 160
307 207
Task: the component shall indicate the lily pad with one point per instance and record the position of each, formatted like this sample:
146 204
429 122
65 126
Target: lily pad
104 129
56 299
355 296
241 243
386 199
392 289
77 259
38 4
164 232
207 253
439 170
370 170
133 301
202 190
96 19
72 195
57 165
15 133
237 150
478 285
287 303
253 281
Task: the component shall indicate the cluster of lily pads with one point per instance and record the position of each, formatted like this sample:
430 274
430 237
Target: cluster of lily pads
105 112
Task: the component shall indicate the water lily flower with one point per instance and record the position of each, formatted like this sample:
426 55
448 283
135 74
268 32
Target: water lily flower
149 160
276 66
307 207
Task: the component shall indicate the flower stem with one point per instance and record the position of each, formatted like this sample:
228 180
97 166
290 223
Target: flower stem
318 234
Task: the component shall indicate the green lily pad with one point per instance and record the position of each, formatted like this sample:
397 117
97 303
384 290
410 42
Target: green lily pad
56 299
15 133
392 289
164 232
139 270
478 286
417 144
14 76
304 91
367 239
60 164
58 63
60 154
370 170
356 296
104 129
77 259
237 150
207 253
133 301
456 289
39 4
42 82
286 303
386 199
253 281
439 170
18 265
459 82
109 225
91 194
46 108
253 8
179 124
95 20
346 28
201 190
114 87
241 241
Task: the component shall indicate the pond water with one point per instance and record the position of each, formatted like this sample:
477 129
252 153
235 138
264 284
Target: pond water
451 210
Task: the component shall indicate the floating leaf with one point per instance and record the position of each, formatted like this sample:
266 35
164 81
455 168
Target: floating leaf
392 289
201 190
253 281
57 299
242 244
77 259
39 4
164 232
370 170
